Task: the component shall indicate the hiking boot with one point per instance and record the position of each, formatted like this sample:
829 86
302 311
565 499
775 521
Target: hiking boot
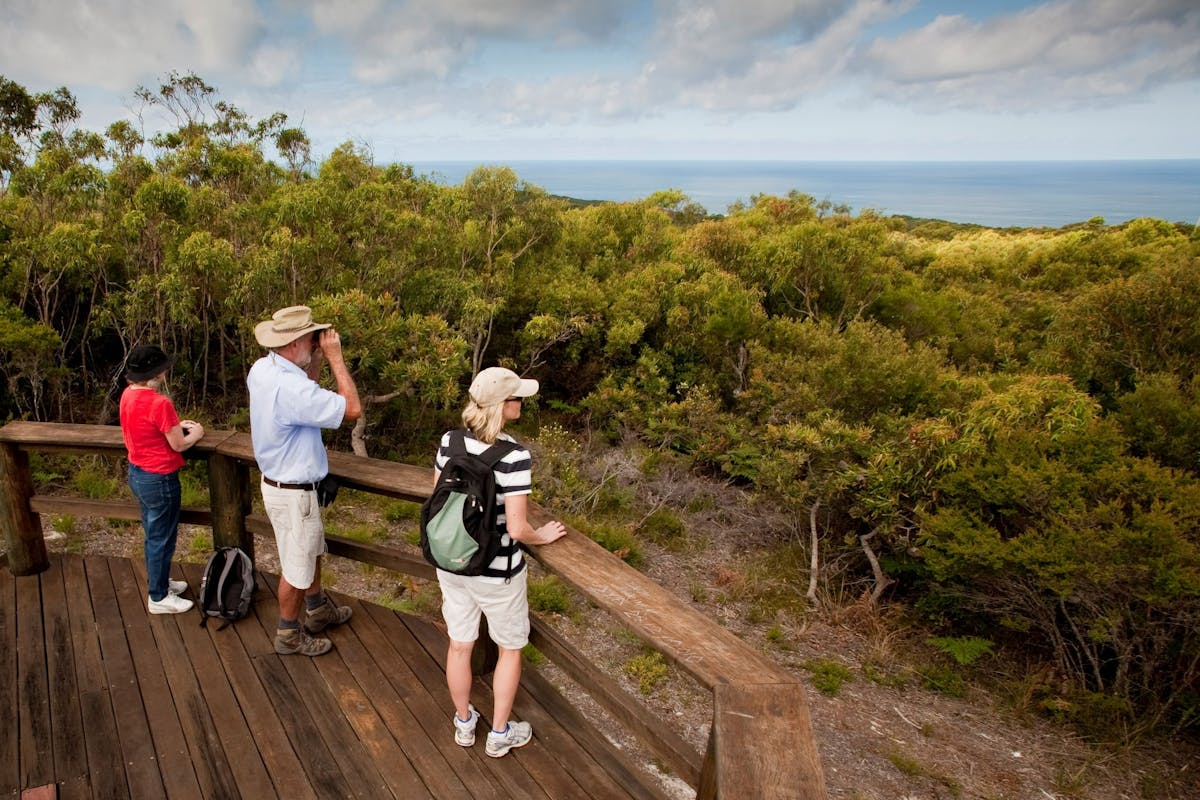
464 731
516 734
294 641
170 604
176 587
325 615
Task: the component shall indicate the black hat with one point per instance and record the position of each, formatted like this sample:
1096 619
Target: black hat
146 361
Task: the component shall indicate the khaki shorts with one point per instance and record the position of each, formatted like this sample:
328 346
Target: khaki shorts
504 604
299 535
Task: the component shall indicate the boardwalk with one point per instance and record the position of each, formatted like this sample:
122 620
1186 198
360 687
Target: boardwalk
100 699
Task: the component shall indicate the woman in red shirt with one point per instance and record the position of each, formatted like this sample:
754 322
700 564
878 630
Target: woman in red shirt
155 437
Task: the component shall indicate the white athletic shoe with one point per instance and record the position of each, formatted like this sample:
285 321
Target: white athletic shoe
464 732
517 734
170 604
176 587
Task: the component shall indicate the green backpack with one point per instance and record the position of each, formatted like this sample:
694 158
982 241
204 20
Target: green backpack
458 521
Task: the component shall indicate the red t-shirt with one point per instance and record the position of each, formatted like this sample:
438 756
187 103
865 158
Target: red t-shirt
146 416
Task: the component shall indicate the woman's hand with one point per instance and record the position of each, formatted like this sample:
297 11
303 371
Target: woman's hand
184 435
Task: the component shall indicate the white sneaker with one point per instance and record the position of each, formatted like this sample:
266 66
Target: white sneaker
176 587
517 734
464 732
170 604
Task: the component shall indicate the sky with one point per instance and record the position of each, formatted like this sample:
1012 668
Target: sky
496 80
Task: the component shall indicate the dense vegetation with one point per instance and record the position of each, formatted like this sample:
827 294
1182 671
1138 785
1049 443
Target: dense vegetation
1000 428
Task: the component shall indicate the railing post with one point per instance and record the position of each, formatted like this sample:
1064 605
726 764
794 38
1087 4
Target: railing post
22 527
761 745
229 494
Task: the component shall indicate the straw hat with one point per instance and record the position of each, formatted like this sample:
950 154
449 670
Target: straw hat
286 326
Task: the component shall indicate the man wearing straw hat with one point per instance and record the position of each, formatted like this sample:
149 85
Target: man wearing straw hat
288 409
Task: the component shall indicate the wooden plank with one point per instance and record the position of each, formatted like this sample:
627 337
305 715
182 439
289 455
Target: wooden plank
534 757
45 435
393 766
62 437
387 557
70 752
282 766
373 732
318 763
322 734
670 747
757 743
579 747
576 770
708 652
109 509
170 742
106 768
375 475
223 753
10 755
137 747
514 780
442 764
33 699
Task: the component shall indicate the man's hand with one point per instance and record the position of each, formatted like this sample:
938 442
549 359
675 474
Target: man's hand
329 343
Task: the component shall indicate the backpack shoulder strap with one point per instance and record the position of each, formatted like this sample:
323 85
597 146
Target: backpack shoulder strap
494 454
457 445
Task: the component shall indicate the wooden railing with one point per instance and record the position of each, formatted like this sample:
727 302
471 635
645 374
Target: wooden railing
761 743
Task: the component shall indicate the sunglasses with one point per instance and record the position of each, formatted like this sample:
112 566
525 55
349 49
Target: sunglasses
513 399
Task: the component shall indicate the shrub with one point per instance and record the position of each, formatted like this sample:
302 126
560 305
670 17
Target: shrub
549 595
664 529
533 656
938 678
613 538
648 669
95 485
828 676
965 650
401 511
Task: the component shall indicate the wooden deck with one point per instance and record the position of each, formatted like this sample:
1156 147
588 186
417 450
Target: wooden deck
100 699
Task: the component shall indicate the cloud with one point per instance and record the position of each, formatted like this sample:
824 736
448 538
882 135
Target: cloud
1072 53
118 44
702 40
401 42
729 56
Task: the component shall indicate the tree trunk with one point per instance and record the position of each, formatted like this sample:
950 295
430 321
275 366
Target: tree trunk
882 581
358 436
814 562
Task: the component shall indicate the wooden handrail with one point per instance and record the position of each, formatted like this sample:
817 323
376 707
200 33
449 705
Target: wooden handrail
761 741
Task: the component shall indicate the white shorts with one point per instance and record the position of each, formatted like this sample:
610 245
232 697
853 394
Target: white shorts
504 604
299 535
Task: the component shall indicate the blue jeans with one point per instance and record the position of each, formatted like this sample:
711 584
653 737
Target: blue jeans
159 497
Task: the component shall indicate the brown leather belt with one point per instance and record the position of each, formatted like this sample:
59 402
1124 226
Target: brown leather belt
308 487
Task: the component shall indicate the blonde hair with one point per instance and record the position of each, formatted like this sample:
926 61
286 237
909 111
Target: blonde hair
485 423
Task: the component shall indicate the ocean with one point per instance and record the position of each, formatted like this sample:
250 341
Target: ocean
992 193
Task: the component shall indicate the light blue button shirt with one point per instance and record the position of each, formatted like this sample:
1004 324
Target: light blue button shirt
287 412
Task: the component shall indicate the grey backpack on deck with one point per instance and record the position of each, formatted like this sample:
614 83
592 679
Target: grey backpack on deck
227 588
